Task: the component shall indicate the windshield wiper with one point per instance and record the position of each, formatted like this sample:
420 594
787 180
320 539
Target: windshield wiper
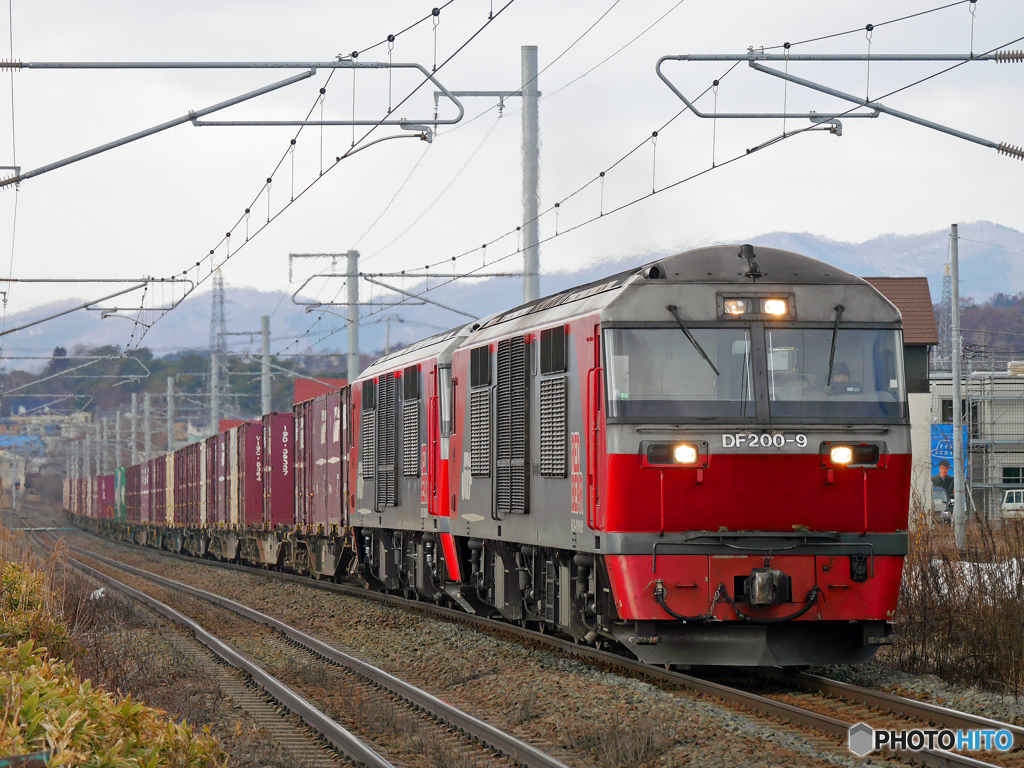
835 332
675 313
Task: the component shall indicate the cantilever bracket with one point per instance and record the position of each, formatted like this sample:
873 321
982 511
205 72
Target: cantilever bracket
752 58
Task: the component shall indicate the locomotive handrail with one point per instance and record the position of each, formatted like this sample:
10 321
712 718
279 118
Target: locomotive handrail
593 424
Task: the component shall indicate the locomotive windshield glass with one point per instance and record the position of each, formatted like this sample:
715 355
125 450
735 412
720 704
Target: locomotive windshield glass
658 373
867 373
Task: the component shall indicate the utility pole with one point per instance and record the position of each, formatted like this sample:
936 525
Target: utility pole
959 509
531 164
265 363
99 447
353 316
134 439
170 414
87 458
147 426
117 439
214 392
104 446
531 176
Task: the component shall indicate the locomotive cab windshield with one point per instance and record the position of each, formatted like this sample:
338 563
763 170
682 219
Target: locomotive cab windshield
658 374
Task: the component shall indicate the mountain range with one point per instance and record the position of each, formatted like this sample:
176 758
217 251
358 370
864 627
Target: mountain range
991 262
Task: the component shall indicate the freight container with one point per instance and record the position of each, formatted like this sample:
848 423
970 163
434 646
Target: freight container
232 472
120 496
169 486
303 464
105 497
192 483
278 469
250 473
158 490
145 481
204 479
337 456
220 481
132 492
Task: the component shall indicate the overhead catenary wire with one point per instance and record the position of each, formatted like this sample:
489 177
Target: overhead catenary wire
691 177
359 145
133 343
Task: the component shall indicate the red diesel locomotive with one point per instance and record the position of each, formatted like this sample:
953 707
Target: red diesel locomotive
705 460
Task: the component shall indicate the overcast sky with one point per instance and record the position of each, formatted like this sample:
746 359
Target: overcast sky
159 205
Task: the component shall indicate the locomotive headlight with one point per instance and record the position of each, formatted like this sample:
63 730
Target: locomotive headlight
776 307
841 454
684 453
735 306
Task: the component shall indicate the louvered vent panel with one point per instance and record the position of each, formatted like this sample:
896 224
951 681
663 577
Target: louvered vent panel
480 433
367 446
386 428
512 457
552 427
411 439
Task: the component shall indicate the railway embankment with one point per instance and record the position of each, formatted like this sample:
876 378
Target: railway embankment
73 695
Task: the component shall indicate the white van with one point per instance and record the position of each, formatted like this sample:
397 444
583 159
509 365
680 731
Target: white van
1013 505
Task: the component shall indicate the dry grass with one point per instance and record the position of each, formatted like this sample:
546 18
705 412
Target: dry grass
961 612
620 744
47 705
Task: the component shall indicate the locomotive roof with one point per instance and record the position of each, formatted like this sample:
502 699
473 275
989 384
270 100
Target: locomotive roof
714 264
720 264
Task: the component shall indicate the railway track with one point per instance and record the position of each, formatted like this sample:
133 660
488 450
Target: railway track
832 709
473 731
338 737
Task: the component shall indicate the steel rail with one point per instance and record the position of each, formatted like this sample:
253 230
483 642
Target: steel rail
762 704
342 740
518 750
933 713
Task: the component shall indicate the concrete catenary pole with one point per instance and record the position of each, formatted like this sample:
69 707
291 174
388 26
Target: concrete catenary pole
214 392
105 449
959 508
99 447
170 414
147 427
118 455
531 176
87 458
353 315
134 439
265 363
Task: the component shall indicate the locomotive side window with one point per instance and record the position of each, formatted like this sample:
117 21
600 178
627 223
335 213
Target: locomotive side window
552 350
657 373
867 373
446 400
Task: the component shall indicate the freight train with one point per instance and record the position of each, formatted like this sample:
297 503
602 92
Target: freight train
705 460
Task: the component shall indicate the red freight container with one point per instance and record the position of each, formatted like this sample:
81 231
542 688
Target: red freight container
337 435
145 482
278 470
318 454
304 462
221 479
308 389
208 501
158 490
193 487
105 497
177 479
131 484
250 474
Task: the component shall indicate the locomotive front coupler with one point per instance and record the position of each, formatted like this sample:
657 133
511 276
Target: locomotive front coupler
768 586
